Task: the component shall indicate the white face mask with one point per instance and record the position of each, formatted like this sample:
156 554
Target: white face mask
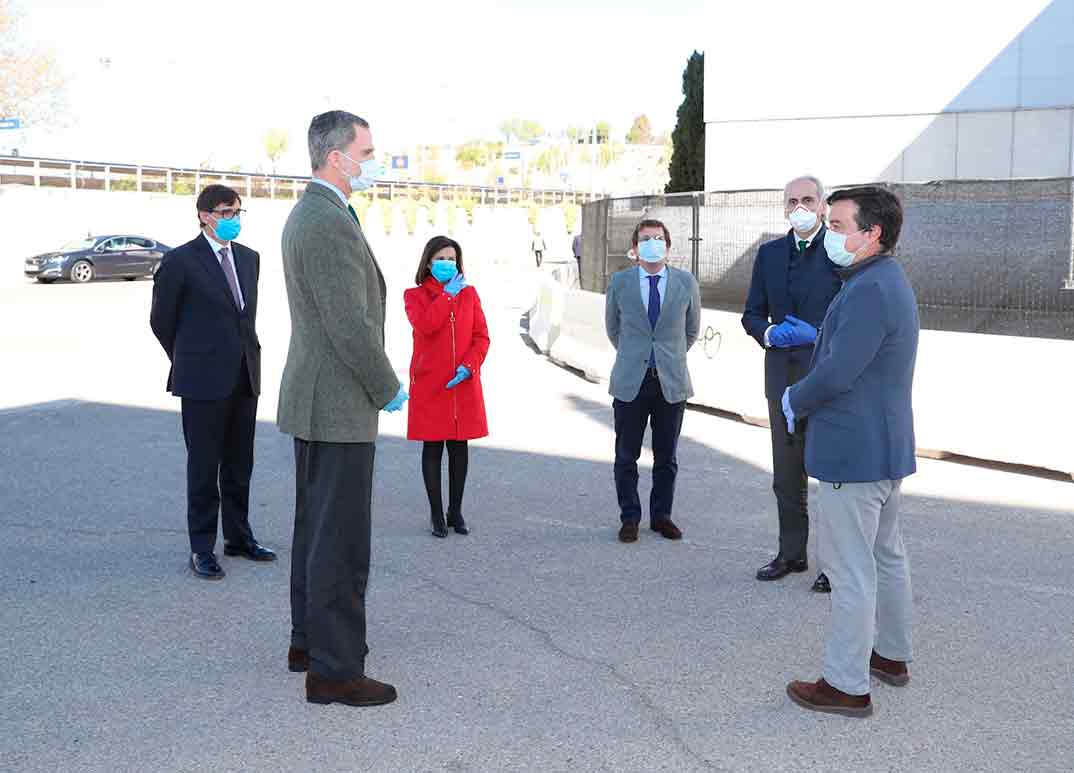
802 220
367 173
836 247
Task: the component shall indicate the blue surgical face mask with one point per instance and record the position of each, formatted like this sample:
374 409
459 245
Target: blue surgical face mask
227 230
836 247
367 173
652 250
444 270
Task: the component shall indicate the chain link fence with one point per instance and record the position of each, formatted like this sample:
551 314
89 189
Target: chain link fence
984 256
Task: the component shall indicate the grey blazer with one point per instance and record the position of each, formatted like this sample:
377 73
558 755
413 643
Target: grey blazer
337 376
627 324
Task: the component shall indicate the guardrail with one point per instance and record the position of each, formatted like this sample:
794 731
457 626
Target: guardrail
104 176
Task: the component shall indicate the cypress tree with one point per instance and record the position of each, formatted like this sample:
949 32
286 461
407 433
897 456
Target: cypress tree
687 168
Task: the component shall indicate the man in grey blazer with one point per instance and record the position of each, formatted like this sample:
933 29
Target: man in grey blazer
860 445
652 314
336 381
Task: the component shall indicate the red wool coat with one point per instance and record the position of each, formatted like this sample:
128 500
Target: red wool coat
448 332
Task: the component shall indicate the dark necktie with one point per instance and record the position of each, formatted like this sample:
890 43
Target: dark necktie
802 245
654 311
229 272
354 214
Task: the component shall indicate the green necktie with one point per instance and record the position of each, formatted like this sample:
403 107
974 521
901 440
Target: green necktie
354 214
802 244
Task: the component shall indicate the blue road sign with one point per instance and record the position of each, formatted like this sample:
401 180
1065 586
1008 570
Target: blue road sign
512 155
400 162
10 123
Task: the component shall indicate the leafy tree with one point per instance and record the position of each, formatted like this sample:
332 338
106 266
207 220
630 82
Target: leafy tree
276 142
604 131
32 86
530 131
688 157
475 153
641 132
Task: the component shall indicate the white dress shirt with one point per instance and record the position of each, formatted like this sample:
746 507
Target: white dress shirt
217 246
661 285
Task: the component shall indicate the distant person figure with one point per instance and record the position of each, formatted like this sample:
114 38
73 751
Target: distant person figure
793 283
652 317
860 445
576 248
204 314
336 381
538 247
451 340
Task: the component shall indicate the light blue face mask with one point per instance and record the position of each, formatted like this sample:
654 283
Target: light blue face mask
227 230
444 270
836 247
652 250
368 171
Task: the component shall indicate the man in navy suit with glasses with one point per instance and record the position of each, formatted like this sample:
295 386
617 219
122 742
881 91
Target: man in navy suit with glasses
204 313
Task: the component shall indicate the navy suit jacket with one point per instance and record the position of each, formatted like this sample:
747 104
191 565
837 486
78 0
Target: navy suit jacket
770 300
857 394
195 318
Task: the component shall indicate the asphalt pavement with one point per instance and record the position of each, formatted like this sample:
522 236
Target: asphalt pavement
536 643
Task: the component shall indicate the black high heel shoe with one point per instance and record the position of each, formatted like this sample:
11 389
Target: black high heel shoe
439 527
458 523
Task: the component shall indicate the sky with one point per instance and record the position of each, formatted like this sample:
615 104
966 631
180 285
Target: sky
179 83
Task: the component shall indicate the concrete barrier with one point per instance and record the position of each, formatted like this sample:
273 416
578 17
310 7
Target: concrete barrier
1000 398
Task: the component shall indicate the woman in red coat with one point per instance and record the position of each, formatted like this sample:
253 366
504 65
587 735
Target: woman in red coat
451 339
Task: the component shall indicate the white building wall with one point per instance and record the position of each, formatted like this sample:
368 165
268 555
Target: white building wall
860 91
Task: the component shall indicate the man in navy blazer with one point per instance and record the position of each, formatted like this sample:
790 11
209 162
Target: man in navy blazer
793 283
860 445
204 313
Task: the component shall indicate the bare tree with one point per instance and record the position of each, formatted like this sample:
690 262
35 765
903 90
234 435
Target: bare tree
32 86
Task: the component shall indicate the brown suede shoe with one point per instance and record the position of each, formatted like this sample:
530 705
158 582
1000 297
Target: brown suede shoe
362 691
667 529
628 532
298 660
821 696
893 672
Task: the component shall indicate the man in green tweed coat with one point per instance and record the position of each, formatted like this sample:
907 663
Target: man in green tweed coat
336 381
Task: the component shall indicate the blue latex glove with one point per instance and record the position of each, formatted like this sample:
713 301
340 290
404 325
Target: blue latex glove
454 287
787 412
396 402
461 374
779 336
801 332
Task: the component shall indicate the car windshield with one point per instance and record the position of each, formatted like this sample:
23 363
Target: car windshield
79 244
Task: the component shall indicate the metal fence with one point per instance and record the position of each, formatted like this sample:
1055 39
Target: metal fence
983 256
104 176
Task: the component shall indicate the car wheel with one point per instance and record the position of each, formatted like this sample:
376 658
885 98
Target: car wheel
82 271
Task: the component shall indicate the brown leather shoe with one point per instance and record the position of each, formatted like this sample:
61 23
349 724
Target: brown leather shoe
362 691
893 672
628 532
667 529
821 696
298 660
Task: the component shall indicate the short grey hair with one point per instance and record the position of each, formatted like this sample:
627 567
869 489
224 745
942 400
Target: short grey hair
806 178
330 131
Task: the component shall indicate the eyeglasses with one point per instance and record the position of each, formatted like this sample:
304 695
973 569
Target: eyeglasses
227 214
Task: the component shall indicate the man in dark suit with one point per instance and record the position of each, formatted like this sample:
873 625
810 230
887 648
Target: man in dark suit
204 312
860 446
793 283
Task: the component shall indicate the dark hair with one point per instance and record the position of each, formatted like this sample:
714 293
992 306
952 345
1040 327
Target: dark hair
434 246
650 224
212 196
330 131
876 206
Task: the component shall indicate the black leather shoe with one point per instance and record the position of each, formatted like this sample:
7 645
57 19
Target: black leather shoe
458 523
204 565
821 584
439 527
779 569
250 550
